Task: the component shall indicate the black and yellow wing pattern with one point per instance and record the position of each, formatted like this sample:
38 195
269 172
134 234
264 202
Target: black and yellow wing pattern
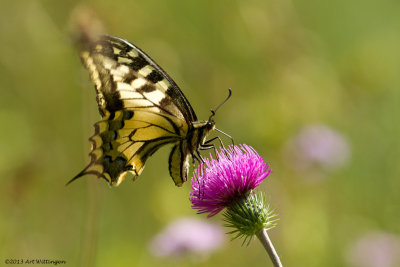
142 109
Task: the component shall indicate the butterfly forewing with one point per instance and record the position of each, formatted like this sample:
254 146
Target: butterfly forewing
127 54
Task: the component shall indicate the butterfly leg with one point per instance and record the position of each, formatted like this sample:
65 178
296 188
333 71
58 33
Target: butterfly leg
200 159
203 166
227 135
230 137
207 145
210 146
197 157
212 139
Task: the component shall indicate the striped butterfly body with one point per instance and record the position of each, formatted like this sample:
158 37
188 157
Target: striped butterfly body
142 109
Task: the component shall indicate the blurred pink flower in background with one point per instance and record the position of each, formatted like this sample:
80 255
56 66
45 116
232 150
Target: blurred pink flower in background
317 146
187 236
376 249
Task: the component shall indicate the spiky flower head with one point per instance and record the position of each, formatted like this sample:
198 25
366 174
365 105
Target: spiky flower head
221 182
227 183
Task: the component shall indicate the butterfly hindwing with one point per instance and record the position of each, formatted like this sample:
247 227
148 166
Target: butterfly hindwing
124 140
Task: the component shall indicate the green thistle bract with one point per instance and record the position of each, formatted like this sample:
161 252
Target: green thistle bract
248 216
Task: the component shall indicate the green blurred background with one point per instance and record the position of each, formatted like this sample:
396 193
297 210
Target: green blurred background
289 63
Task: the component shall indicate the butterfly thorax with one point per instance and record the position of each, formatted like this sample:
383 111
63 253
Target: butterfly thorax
195 138
198 135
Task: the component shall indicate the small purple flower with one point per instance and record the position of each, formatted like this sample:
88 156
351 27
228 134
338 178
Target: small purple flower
187 236
376 249
231 177
317 145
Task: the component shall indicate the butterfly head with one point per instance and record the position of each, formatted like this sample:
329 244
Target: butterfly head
210 124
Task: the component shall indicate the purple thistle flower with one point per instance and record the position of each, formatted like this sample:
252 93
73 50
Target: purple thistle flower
220 182
228 182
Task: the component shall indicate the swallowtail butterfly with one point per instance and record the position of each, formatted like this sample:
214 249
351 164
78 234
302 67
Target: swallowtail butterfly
142 109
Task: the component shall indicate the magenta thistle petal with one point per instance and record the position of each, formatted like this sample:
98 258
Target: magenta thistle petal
220 182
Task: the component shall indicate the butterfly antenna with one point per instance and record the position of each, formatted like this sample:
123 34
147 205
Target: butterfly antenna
213 111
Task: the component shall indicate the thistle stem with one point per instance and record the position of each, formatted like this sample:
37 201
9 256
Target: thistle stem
262 235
